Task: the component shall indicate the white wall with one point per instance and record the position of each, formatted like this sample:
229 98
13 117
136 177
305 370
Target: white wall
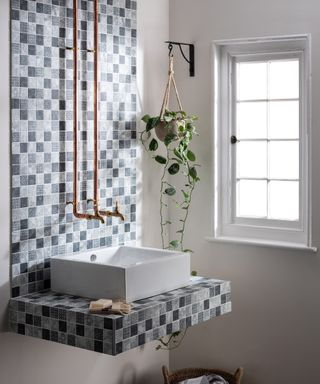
152 76
273 330
25 360
4 164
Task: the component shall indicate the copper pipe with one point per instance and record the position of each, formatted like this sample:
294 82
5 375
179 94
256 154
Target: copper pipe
74 203
75 107
116 212
95 111
98 215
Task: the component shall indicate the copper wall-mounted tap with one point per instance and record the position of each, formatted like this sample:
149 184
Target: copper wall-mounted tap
115 213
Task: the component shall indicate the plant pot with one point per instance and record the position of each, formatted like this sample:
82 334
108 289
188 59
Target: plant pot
163 128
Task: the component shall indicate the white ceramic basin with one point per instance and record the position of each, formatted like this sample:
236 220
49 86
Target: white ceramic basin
128 273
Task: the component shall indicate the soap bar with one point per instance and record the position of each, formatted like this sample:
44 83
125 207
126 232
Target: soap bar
100 305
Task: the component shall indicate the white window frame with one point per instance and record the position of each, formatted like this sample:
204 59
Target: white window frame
226 227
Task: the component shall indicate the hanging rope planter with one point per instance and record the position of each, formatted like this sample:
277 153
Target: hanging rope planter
175 129
169 147
164 127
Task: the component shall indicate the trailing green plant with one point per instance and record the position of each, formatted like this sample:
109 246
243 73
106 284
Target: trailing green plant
172 341
167 138
168 141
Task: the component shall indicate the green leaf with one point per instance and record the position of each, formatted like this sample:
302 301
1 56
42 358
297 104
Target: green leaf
191 156
177 153
193 173
180 231
181 129
149 124
146 118
185 194
188 250
174 243
190 127
170 191
174 168
169 138
152 122
194 273
160 159
168 118
153 146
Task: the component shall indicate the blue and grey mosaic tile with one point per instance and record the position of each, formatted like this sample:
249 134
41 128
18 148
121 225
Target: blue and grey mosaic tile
41 111
66 319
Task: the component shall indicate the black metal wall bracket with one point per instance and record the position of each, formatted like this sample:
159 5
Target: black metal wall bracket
191 54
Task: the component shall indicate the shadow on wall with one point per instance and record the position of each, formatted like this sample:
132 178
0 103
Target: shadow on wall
4 288
4 303
129 375
42 361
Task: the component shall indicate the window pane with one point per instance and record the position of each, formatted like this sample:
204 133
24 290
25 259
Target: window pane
284 160
284 200
252 120
284 79
251 81
252 159
284 120
251 198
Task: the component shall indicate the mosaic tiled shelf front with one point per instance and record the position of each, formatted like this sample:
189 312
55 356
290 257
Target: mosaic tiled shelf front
65 319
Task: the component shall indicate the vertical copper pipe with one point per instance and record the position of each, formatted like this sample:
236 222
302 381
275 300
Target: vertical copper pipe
75 106
98 215
74 203
116 212
95 106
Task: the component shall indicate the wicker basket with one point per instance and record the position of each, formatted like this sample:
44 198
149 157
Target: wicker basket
191 373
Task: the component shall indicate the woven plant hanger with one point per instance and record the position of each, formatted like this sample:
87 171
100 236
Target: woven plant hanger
171 81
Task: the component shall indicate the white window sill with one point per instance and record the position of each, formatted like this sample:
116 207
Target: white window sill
262 243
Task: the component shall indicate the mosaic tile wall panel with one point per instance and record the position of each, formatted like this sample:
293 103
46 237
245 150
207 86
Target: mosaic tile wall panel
41 86
65 319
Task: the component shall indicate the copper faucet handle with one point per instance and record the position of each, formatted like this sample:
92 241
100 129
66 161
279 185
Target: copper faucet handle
117 211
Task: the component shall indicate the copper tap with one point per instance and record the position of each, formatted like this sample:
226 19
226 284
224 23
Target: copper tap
115 213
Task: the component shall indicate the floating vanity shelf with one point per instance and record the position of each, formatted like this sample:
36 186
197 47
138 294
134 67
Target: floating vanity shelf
65 319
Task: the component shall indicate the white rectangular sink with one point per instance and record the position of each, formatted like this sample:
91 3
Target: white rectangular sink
129 273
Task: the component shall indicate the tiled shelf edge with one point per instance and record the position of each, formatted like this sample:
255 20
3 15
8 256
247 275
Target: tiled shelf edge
65 319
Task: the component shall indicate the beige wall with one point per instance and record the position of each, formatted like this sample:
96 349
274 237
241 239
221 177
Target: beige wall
25 360
273 330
